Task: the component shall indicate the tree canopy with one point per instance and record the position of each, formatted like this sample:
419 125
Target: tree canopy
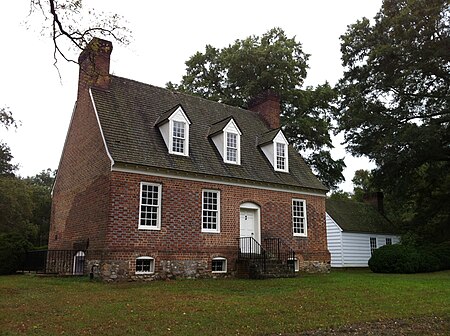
237 73
394 105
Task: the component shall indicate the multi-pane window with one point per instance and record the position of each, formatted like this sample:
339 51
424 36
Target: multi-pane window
373 244
219 265
299 217
179 136
232 147
150 211
145 265
210 211
281 156
388 241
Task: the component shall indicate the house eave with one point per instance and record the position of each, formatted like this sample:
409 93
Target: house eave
177 174
372 232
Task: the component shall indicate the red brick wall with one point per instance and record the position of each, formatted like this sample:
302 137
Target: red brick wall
81 202
181 218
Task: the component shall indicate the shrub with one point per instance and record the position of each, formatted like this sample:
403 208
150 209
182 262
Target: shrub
394 259
400 258
442 253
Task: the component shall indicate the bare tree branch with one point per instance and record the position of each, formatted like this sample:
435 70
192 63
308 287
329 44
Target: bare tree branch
63 20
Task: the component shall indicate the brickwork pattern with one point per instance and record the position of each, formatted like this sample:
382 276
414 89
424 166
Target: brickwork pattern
180 235
81 201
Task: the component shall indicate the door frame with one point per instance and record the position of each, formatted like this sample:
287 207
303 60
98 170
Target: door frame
257 218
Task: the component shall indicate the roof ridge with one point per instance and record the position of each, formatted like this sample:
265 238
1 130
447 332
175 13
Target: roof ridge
188 95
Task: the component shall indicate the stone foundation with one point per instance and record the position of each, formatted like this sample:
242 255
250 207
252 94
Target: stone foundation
314 267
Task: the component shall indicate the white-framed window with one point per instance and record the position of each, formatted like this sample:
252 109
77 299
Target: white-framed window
150 206
78 263
373 244
210 211
219 265
388 241
232 147
299 221
145 265
293 262
280 156
276 151
178 137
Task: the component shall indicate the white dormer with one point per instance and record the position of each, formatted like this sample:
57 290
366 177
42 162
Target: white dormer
275 148
174 127
226 135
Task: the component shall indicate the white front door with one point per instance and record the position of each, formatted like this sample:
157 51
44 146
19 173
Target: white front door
248 230
247 223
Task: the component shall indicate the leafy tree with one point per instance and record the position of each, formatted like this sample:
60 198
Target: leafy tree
16 206
394 106
237 73
6 167
6 118
25 206
41 186
363 183
341 195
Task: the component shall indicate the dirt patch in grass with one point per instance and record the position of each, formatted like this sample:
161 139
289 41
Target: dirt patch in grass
430 325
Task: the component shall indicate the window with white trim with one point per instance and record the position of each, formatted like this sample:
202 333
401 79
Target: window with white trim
150 206
293 263
210 211
145 265
281 156
388 241
299 222
232 147
373 244
179 136
219 265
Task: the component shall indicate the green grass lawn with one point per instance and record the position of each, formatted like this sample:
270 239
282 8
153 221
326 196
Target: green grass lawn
75 306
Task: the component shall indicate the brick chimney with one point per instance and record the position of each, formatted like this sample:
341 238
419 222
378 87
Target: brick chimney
375 199
267 104
94 65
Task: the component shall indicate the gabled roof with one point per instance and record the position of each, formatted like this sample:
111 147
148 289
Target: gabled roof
219 126
352 216
129 110
267 136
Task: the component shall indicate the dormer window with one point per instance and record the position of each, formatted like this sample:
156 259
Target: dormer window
232 147
281 156
226 135
178 136
174 127
275 147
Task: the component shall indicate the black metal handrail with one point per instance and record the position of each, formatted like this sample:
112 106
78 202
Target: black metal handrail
276 248
250 248
55 261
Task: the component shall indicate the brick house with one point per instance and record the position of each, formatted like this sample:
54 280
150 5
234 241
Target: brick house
155 184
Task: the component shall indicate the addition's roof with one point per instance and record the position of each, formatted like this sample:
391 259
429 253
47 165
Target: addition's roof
129 111
352 216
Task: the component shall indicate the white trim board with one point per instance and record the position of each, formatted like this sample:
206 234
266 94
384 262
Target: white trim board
101 129
198 179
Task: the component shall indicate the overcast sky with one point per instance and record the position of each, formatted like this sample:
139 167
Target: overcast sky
165 34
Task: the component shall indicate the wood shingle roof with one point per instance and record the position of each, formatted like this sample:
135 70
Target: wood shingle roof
352 216
129 111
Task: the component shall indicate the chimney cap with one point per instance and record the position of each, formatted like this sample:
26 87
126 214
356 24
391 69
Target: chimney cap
96 46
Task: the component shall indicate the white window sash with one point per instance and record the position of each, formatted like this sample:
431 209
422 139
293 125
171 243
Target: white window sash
216 211
157 206
299 221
